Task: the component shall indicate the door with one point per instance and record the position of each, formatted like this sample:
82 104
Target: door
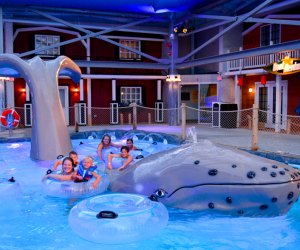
64 98
198 98
265 97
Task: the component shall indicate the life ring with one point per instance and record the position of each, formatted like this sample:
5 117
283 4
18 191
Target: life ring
10 118
118 218
71 189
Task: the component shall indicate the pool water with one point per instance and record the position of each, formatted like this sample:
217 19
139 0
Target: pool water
31 220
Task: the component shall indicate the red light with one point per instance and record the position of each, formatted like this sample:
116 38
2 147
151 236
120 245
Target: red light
263 80
240 81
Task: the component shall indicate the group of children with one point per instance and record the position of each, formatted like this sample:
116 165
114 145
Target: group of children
106 143
73 170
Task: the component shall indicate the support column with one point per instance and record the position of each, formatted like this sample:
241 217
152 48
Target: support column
237 99
173 102
2 85
89 101
81 92
114 106
8 48
27 109
278 104
159 105
80 108
89 84
113 90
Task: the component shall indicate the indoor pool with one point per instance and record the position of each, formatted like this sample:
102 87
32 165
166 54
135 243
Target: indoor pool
31 220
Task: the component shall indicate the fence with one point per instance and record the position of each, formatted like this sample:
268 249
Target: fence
248 119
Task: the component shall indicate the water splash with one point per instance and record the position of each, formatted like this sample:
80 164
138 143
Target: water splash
155 136
150 139
192 134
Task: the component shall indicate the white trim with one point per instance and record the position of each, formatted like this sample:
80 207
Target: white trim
129 77
246 72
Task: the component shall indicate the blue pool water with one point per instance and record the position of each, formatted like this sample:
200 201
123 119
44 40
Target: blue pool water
31 220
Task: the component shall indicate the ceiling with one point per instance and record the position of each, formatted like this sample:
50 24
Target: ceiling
165 13
154 18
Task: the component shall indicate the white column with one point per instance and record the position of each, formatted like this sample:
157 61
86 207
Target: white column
27 93
237 88
81 90
278 104
113 90
158 95
89 101
8 48
89 95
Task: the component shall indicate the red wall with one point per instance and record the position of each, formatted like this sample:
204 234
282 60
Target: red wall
100 51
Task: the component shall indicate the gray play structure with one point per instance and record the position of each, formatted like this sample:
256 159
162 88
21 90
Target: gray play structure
50 135
208 177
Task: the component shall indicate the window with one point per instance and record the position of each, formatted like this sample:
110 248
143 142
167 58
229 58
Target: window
128 55
269 33
41 41
130 95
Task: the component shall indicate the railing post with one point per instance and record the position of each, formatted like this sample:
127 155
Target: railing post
134 114
288 126
255 127
183 121
249 119
121 119
149 118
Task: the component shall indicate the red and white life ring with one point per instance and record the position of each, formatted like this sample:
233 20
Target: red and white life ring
10 118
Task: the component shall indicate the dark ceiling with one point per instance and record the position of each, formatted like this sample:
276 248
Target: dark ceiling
155 18
166 13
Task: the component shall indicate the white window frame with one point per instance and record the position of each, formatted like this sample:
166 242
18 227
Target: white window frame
125 54
41 41
129 95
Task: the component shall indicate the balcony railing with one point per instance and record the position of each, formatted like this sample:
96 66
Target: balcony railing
260 61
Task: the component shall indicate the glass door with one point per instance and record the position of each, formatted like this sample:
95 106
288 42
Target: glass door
265 97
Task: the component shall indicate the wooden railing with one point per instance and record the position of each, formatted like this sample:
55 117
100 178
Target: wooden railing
260 61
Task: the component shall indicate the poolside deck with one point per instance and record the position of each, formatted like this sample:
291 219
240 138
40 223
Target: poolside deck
282 144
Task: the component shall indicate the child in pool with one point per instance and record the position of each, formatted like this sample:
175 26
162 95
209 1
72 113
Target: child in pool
124 154
105 143
86 171
67 173
72 155
129 144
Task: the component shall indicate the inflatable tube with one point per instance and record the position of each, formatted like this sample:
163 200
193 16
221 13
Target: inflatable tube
118 218
70 189
117 162
107 151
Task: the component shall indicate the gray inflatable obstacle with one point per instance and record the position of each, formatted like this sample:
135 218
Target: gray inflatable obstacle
206 177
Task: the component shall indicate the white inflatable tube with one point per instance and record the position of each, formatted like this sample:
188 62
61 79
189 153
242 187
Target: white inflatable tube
70 189
118 218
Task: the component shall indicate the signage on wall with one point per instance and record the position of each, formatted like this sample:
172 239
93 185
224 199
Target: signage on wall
284 66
